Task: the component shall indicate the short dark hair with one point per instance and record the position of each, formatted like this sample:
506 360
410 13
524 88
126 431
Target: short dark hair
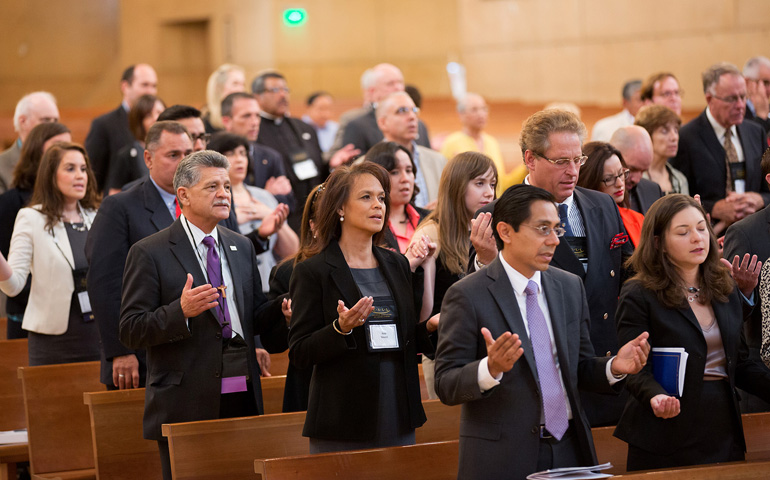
157 129
228 101
128 75
513 207
765 165
316 95
415 94
25 173
258 84
178 112
224 142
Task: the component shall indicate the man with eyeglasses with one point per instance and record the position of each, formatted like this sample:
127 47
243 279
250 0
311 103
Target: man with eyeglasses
295 140
514 347
595 245
756 71
635 144
663 89
397 119
720 154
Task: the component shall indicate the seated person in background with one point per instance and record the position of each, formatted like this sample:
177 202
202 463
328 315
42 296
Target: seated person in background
663 126
683 296
128 165
632 100
252 204
223 81
606 171
404 216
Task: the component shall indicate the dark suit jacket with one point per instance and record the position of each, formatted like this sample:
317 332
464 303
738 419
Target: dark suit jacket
702 159
644 195
345 374
639 310
11 202
364 133
265 163
751 235
122 220
109 133
763 122
499 429
184 363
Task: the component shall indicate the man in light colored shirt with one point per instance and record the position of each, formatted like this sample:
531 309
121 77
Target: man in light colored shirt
319 116
514 348
632 102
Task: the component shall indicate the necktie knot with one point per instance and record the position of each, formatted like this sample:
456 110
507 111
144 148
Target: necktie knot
208 240
531 288
728 134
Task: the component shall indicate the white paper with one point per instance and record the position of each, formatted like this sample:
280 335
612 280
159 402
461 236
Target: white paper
572 473
13 436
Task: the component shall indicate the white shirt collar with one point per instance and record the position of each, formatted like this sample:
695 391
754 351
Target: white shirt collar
197 233
719 130
567 201
518 281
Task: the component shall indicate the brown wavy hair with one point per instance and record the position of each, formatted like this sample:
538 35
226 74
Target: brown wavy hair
654 268
451 216
335 193
25 173
47 193
592 173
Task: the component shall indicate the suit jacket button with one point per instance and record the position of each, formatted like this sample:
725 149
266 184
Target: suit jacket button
535 430
217 374
218 336
606 316
612 273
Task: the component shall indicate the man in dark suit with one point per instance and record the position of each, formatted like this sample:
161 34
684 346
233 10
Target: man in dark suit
635 144
192 297
109 133
595 246
514 348
752 235
294 139
720 154
756 71
124 219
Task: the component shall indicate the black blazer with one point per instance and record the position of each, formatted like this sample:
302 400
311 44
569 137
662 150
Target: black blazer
344 373
702 159
11 202
763 122
644 195
639 310
184 356
363 132
108 134
122 220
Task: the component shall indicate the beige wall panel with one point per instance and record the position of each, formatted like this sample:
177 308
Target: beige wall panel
752 13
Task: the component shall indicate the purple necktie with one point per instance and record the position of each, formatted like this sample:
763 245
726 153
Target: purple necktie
214 271
554 408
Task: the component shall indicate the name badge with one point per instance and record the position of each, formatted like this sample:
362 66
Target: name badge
738 174
382 337
305 169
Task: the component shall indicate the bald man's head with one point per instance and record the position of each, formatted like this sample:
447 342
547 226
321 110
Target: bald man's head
635 145
385 79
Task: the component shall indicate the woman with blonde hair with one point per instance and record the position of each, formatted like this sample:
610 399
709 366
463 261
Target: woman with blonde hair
226 79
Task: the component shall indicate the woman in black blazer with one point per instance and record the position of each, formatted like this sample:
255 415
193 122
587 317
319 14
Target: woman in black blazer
355 320
684 297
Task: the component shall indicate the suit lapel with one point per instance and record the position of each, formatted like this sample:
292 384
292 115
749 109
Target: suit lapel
503 294
593 222
236 268
748 152
716 149
341 275
722 314
159 216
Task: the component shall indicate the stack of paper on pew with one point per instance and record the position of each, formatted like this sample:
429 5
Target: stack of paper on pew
572 473
668 367
13 436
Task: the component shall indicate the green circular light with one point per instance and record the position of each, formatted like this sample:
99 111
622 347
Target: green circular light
294 16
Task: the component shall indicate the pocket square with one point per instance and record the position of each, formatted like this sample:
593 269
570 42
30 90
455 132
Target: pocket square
618 240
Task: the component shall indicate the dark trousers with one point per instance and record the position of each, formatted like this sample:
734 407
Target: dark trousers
231 405
559 453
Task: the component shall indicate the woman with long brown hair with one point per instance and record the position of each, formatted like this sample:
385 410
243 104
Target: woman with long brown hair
50 238
684 296
354 320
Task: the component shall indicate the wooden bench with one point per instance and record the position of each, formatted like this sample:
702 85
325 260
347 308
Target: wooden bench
58 424
427 461
279 363
120 451
267 436
3 328
272 393
720 471
13 354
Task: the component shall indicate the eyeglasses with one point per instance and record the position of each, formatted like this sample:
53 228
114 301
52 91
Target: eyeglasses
563 162
732 99
277 90
612 179
204 137
405 110
545 230
671 94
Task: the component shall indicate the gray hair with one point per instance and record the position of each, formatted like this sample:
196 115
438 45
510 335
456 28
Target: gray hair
188 172
384 106
368 79
25 105
751 68
712 75
630 88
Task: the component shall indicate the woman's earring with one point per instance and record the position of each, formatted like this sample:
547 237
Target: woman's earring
342 218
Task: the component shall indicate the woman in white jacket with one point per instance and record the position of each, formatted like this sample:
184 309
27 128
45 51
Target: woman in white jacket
49 241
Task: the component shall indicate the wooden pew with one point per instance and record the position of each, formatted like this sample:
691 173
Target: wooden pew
272 393
719 471
279 363
58 424
13 354
120 451
3 328
427 461
267 436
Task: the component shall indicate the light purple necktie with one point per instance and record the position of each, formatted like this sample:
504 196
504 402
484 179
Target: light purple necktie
554 408
214 271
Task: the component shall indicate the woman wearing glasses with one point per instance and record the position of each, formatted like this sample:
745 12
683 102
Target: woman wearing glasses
606 171
663 124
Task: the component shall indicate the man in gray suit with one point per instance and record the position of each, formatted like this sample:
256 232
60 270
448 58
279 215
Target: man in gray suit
514 348
397 119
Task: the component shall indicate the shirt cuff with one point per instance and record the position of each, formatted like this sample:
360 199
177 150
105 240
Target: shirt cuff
749 300
610 377
485 380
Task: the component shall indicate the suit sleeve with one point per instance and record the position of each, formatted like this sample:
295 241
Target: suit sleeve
592 370
107 248
97 146
20 254
144 321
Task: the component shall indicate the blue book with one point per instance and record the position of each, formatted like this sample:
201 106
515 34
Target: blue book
668 367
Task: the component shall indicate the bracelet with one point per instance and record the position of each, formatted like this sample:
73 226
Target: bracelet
479 265
335 325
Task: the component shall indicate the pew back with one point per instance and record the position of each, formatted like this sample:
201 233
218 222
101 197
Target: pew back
13 354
